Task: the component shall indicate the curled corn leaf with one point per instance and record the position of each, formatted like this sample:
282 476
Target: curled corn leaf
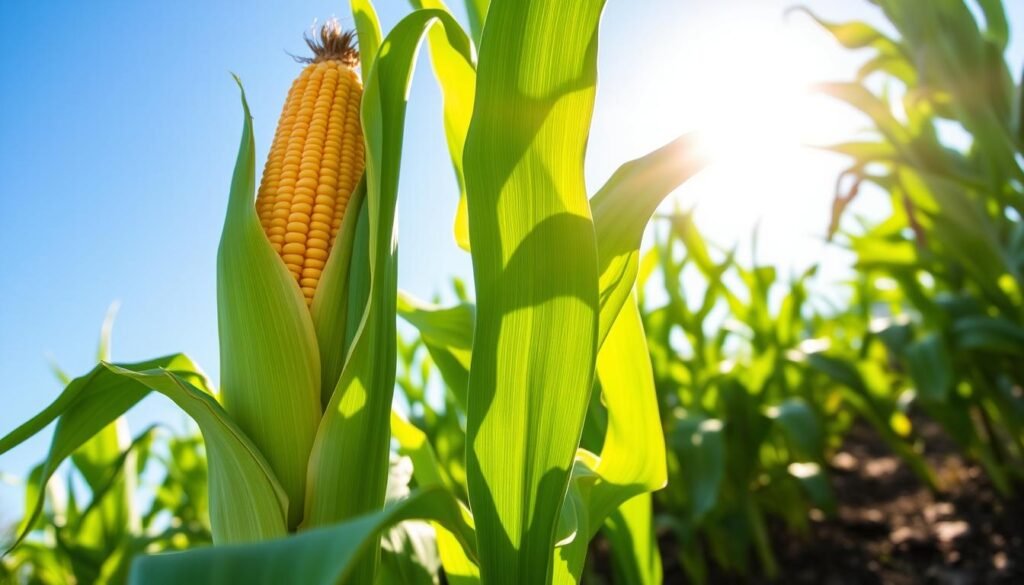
247 503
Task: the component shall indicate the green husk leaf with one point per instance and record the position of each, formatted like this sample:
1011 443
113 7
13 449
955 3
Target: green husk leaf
331 302
354 433
270 365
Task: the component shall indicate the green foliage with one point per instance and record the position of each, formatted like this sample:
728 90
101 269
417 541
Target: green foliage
745 417
951 245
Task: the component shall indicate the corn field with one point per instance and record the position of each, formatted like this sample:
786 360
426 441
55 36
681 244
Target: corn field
613 398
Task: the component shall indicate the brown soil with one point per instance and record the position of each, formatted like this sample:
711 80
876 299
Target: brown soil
890 529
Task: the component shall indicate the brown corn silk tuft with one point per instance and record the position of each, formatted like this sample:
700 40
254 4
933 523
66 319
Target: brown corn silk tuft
316 158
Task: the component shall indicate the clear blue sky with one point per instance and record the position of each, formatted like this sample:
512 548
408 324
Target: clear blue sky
119 125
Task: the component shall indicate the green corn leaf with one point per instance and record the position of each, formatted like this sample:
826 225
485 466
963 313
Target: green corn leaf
94 458
815 483
448 334
477 11
965 230
270 365
622 209
116 513
684 227
368 33
852 35
247 503
874 107
323 556
931 368
634 546
997 29
34 492
408 550
633 456
535 269
699 443
457 78
126 393
409 555
413 443
571 537
801 427
863 399
112 498
139 448
989 334
349 463
458 568
632 459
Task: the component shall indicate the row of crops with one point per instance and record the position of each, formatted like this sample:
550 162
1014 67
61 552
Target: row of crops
671 391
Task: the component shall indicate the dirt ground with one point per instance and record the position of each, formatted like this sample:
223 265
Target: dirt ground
890 529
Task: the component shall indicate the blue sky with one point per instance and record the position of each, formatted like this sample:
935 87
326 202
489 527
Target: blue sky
119 125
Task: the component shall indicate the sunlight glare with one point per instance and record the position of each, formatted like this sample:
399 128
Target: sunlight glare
749 95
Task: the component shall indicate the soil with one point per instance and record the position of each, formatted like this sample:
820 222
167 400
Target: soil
891 529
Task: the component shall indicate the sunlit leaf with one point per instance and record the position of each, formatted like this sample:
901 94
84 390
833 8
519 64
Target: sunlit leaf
535 269
354 432
323 556
634 545
457 77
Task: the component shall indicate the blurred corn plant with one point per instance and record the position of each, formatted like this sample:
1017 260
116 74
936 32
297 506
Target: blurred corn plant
749 368
942 274
98 515
747 425
298 437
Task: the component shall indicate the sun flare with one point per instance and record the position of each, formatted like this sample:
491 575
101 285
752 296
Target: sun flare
758 117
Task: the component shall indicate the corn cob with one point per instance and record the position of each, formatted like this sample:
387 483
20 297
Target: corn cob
316 158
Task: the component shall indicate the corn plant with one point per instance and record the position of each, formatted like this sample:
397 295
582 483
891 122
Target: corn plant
298 435
946 143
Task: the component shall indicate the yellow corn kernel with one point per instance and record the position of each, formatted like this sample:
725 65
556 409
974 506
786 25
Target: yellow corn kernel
315 160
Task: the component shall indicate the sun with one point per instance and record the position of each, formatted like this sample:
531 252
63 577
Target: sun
760 119
745 84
